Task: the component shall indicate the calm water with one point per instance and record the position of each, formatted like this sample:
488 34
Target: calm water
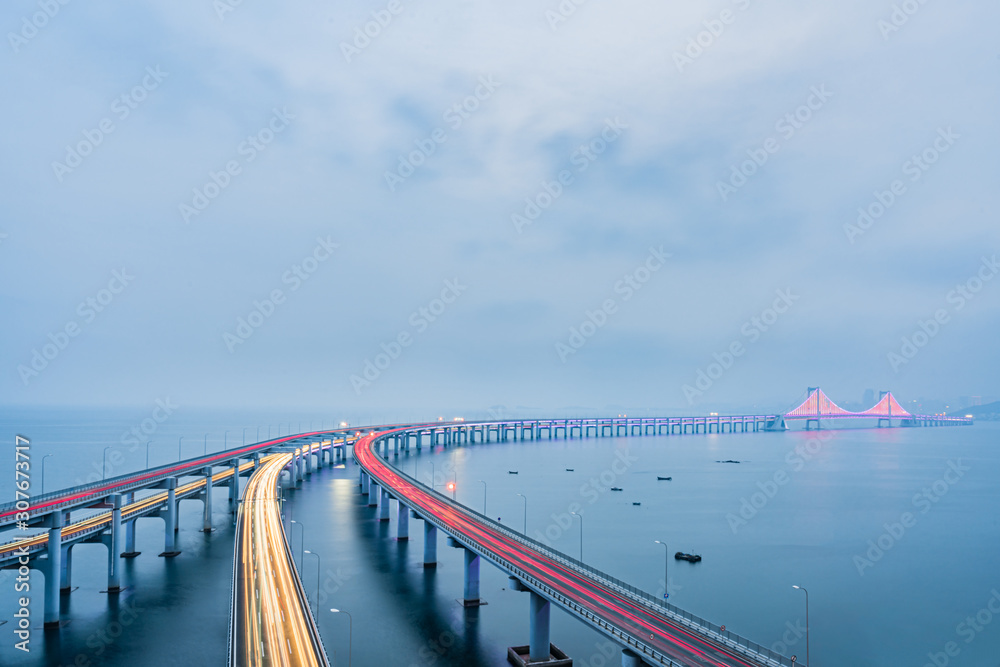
827 514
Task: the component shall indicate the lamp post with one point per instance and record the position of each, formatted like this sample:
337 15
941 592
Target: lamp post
179 447
225 441
302 537
666 567
484 497
43 472
580 516
318 568
433 480
104 462
147 453
204 452
807 622
451 487
245 436
525 498
350 636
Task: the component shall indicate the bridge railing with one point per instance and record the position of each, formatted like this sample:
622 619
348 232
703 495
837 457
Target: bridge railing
671 612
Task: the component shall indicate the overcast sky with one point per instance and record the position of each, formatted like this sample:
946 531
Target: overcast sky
689 174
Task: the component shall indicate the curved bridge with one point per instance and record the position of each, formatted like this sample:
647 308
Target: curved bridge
658 632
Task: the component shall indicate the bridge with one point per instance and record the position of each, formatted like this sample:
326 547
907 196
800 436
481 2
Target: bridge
271 622
818 406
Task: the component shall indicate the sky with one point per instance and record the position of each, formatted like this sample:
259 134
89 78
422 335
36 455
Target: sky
576 205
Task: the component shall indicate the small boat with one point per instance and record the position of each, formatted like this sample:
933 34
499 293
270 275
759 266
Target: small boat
636 503
691 558
617 488
569 470
511 472
728 461
664 479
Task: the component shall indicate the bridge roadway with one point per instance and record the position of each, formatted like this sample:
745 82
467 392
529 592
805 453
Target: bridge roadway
79 497
661 633
271 624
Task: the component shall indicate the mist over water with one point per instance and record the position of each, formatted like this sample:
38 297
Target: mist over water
894 532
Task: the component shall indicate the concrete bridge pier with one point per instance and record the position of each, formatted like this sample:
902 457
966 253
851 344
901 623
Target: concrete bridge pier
630 658
169 515
383 504
113 540
538 636
365 483
430 544
66 570
234 486
402 522
206 496
470 594
373 494
307 459
53 572
297 467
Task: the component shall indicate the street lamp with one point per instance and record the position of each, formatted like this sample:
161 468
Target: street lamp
451 487
350 637
318 568
484 497
433 478
580 516
302 536
179 447
205 450
225 441
147 453
666 567
807 622
43 472
525 498
104 462
245 436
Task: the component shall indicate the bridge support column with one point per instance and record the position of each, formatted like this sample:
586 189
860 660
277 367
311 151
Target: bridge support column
234 487
170 520
365 483
470 594
53 573
66 570
206 496
430 544
383 504
402 522
115 545
630 658
373 495
538 642
299 476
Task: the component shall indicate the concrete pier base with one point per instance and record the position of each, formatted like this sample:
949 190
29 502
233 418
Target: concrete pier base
630 658
53 572
206 496
66 570
373 495
114 542
383 505
169 515
402 522
430 544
